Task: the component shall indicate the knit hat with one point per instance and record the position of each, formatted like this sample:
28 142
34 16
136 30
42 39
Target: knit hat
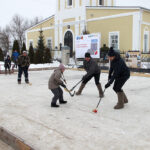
87 55
62 67
111 52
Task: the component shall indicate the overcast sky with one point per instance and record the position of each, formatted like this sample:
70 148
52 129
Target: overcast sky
44 8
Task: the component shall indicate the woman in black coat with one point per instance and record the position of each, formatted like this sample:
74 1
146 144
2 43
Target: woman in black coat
119 73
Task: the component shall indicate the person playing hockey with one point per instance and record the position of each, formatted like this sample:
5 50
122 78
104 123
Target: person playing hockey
54 85
7 64
23 66
119 73
93 70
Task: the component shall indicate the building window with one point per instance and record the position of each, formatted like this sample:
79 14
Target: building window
49 43
69 2
146 41
114 40
101 2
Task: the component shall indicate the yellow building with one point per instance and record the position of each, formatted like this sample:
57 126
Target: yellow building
125 28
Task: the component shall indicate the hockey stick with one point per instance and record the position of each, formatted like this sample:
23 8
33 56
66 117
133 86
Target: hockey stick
75 86
69 92
95 110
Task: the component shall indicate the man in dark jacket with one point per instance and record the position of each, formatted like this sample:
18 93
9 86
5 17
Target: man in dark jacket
7 64
93 70
23 66
120 73
54 85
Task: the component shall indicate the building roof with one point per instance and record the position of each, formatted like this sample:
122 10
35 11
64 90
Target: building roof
41 22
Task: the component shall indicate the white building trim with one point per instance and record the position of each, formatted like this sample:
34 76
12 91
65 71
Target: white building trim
43 29
136 31
146 23
41 22
115 7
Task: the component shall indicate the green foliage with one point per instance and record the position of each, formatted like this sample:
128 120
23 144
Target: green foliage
16 46
31 54
47 56
23 47
1 55
40 49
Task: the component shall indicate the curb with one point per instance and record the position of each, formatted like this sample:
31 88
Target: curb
15 142
80 69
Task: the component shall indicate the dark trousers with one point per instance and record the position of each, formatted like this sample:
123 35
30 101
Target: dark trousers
96 78
7 67
23 70
58 94
119 84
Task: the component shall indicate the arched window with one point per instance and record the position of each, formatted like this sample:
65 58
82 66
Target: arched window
69 2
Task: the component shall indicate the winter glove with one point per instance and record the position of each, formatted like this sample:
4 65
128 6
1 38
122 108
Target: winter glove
63 85
107 85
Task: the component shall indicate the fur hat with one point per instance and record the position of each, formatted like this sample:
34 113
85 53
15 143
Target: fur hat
62 67
87 55
111 52
25 52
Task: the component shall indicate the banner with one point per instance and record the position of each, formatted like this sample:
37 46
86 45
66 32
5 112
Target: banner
87 43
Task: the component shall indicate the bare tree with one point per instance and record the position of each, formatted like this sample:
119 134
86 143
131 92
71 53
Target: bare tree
35 21
18 27
16 31
5 38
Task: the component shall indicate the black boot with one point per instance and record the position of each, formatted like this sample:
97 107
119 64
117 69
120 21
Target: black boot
63 102
54 105
19 81
27 81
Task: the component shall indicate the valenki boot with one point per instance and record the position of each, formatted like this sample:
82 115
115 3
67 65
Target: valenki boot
80 89
125 98
120 103
101 94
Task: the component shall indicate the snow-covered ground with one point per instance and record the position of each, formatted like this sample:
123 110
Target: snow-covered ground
25 110
54 64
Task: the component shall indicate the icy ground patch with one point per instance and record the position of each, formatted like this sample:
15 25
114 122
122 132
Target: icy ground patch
25 110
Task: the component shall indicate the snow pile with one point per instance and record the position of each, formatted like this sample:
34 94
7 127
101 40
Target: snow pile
25 110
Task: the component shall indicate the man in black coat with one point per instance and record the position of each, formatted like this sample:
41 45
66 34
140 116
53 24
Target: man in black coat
93 70
120 73
23 66
7 64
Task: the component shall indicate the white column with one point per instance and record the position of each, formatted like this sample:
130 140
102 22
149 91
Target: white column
136 37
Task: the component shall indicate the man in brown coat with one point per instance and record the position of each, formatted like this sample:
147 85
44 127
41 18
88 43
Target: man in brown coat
54 85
